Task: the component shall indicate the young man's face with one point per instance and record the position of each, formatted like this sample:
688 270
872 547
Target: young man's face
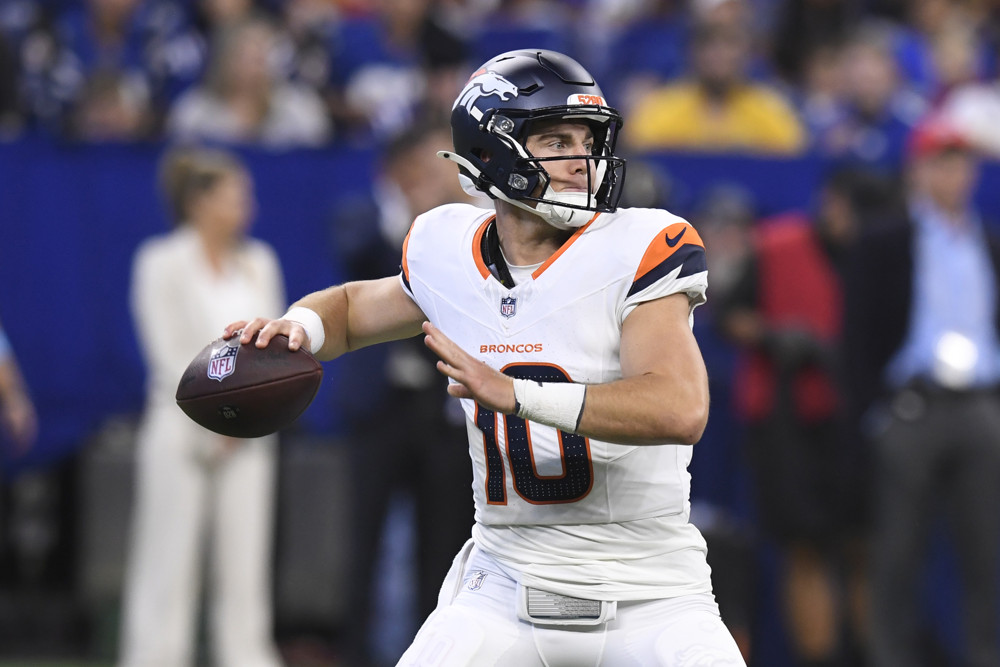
558 138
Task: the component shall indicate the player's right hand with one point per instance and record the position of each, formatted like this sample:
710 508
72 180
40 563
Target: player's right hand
472 377
268 329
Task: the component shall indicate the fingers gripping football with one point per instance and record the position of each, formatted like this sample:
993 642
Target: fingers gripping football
487 386
268 329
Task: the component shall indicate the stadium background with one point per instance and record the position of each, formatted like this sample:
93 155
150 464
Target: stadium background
69 253
71 215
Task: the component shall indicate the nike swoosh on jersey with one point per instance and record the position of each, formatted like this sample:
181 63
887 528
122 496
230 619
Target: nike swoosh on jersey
662 257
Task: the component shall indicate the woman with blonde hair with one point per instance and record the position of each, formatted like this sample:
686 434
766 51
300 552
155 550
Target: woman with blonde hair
196 489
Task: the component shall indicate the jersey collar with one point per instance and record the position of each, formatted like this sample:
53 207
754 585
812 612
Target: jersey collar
490 261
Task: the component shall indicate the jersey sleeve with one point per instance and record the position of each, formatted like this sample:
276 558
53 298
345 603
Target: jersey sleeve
433 241
674 262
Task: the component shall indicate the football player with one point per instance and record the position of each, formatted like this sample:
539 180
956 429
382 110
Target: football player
564 324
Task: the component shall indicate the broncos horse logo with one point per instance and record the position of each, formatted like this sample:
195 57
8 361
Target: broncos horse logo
484 84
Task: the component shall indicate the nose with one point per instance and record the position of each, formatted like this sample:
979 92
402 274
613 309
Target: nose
579 165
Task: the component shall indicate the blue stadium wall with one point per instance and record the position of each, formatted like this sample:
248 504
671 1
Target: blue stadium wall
72 216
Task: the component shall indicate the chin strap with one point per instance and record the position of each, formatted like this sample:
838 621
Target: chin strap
565 217
560 217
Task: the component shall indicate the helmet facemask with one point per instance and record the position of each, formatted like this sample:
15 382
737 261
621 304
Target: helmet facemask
495 111
510 172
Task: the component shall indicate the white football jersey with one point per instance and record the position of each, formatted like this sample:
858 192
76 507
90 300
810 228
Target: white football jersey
569 514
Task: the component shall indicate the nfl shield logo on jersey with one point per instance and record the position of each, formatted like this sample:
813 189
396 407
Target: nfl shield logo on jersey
476 582
222 363
508 306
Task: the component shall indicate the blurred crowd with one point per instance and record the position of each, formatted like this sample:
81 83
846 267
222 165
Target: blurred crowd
837 342
841 77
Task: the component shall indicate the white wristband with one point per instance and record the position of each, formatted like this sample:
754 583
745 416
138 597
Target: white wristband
312 323
558 404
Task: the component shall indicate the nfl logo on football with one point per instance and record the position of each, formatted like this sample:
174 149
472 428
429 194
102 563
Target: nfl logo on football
508 306
222 363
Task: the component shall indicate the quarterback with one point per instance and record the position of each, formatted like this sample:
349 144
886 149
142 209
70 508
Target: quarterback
564 324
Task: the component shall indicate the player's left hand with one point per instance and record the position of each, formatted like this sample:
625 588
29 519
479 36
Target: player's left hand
487 386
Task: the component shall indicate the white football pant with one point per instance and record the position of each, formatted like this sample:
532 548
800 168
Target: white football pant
476 624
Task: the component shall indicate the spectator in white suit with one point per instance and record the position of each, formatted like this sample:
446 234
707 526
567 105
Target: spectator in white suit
197 489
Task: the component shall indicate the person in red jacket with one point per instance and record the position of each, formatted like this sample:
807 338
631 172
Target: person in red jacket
786 312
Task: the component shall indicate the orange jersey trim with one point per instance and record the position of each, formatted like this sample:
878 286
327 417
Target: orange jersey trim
558 253
477 247
404 264
669 241
486 455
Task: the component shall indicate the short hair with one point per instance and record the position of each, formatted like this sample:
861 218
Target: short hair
411 137
187 172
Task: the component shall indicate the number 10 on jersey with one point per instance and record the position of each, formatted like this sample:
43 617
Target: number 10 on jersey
577 475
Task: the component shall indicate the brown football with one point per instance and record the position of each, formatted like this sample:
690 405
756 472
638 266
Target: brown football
247 392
